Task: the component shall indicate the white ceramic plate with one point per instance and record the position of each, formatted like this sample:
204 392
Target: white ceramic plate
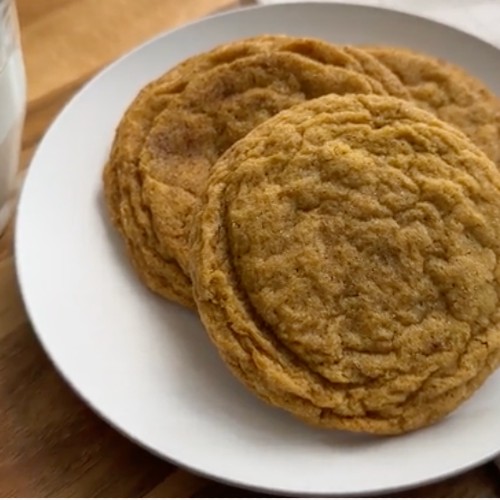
146 366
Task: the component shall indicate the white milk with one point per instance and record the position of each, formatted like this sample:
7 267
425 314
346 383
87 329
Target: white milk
12 109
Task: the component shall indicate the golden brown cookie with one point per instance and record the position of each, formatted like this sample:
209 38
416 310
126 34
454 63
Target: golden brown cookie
179 127
138 118
345 262
449 92
122 182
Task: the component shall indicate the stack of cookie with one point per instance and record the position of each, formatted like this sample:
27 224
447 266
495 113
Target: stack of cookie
333 212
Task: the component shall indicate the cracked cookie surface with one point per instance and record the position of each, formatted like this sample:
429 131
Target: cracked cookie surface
178 127
122 179
449 92
345 264
219 108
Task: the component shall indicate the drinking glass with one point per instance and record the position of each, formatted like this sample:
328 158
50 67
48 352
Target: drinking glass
12 107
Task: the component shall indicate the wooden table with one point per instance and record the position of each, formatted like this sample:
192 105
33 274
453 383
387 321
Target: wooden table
51 444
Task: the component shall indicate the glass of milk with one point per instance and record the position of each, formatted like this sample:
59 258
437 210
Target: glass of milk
12 108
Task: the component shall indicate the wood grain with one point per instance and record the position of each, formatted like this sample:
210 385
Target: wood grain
51 444
65 39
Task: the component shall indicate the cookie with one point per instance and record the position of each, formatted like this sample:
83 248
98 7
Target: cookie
177 129
121 178
345 263
449 92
